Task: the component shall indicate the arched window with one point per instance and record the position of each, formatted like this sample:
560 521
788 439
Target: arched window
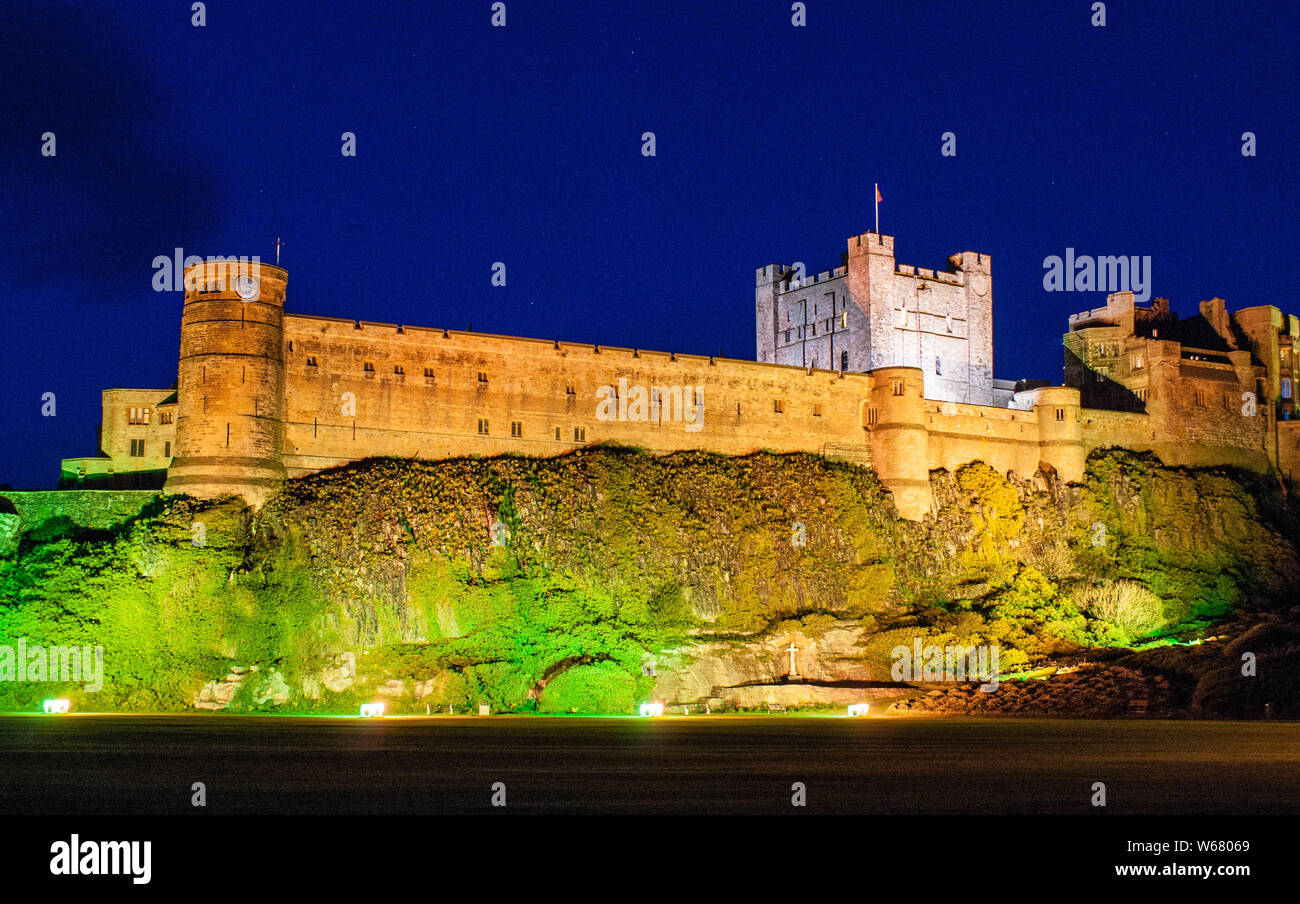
844 360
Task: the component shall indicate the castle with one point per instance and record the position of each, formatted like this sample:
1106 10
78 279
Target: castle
885 365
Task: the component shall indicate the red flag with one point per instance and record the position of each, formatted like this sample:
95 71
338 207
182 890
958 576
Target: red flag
878 198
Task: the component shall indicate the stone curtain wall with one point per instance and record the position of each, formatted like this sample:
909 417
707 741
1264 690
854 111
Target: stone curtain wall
338 410
528 383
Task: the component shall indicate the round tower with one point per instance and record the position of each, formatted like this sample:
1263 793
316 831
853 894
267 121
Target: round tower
230 390
1060 430
900 451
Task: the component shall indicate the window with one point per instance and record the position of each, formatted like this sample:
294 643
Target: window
1101 374
290 345
165 417
778 406
368 367
482 427
814 329
896 386
516 428
137 448
138 416
938 367
428 373
570 388
844 320
699 398
1060 414
579 434
167 450
311 360
557 434
844 360
399 370
482 378
872 416
1200 398
1137 362
817 409
1142 395
1286 387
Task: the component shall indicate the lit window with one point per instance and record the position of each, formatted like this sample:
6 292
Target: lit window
844 320
1138 362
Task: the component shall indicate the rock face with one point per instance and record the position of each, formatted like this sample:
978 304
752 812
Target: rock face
748 672
607 578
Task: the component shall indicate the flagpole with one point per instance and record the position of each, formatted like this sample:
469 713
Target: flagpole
877 208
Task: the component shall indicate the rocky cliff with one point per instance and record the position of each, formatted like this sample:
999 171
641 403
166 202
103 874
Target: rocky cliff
607 577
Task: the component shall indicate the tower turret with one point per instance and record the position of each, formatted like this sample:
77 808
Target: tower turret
230 392
1060 430
895 420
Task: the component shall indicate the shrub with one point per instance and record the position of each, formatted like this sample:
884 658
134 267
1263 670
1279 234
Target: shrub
1127 605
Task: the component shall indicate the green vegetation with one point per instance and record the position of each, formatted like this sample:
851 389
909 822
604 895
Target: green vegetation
547 584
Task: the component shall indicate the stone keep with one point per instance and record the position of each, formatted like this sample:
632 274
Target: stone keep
873 313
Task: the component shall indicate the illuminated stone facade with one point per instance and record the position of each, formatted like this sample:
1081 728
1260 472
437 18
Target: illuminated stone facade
264 395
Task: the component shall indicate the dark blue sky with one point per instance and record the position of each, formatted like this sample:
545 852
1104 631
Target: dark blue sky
522 144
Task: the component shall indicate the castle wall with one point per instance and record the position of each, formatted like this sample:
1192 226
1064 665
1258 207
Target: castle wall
367 394
538 397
